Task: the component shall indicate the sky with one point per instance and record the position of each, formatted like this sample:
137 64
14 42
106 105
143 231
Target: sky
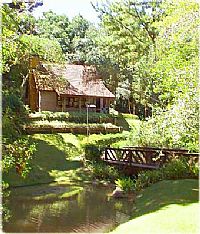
70 8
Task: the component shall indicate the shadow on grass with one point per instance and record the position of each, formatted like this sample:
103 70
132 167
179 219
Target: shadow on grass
164 193
121 121
57 140
46 159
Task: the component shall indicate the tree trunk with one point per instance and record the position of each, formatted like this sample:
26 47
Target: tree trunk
134 107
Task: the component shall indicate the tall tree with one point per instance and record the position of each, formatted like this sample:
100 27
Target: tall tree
54 26
17 47
130 36
72 35
175 73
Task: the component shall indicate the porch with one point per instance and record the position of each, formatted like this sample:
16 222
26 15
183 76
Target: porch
74 103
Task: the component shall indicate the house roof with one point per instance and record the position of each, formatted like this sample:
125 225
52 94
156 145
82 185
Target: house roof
71 80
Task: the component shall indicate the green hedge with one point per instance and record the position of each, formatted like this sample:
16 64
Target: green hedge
56 127
76 117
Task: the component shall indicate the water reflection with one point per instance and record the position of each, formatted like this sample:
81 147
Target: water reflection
89 211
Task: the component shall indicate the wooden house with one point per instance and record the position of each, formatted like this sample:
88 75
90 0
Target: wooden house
64 87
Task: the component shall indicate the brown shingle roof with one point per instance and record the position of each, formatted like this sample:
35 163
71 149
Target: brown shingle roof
47 80
71 79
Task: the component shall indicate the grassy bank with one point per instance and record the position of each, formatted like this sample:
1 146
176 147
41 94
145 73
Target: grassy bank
165 207
59 157
56 154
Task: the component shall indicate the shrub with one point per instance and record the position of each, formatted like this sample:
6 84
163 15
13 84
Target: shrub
93 117
176 169
92 152
194 170
103 171
126 184
147 178
174 127
18 155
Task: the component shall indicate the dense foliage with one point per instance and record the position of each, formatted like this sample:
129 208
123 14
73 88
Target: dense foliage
102 171
17 47
74 37
126 184
176 169
175 73
181 168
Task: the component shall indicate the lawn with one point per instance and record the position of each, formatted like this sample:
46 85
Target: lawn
166 207
56 159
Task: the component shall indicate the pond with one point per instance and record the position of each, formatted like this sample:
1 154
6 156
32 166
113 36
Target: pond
46 208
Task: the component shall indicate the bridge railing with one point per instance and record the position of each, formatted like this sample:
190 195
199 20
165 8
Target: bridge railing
144 156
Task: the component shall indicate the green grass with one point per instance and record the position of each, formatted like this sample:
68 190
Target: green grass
166 207
58 158
128 121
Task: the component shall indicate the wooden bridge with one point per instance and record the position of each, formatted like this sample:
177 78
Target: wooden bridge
135 159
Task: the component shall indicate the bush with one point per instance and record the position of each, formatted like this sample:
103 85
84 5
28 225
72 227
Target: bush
147 178
194 170
176 169
103 171
92 152
18 155
126 184
176 127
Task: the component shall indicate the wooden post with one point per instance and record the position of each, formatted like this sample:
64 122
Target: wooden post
130 157
134 108
39 101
